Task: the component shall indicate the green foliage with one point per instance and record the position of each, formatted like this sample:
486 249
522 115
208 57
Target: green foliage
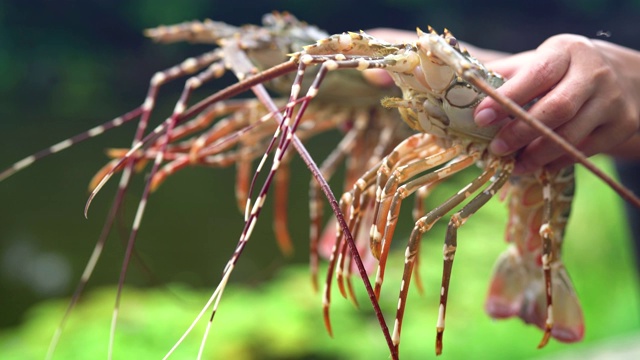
282 318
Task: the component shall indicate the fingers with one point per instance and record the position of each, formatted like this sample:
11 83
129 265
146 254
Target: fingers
601 140
580 96
542 151
507 66
378 77
532 80
559 106
392 35
592 131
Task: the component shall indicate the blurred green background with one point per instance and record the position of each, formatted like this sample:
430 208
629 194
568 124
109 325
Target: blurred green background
68 65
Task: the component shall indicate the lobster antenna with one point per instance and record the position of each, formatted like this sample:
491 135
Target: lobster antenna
67 143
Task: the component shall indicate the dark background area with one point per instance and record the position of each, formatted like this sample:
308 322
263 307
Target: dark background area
68 65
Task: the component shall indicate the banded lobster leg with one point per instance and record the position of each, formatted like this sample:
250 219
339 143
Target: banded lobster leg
360 217
319 121
200 122
355 202
371 135
327 168
365 215
374 152
390 195
425 223
505 166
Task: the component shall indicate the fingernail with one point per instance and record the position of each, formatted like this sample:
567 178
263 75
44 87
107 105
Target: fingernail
485 117
498 147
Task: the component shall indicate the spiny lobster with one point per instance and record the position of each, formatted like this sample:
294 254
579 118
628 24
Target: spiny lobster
438 98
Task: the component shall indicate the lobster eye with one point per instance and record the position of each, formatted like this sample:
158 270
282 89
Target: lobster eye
461 95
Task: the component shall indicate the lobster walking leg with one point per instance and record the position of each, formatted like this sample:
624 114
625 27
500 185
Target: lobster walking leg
557 194
327 169
390 205
423 225
450 244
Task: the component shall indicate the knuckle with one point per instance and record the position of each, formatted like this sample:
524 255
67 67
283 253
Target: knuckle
603 74
541 72
629 123
570 136
558 108
580 43
625 114
571 41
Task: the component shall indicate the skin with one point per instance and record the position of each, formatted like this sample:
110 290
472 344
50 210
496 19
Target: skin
588 91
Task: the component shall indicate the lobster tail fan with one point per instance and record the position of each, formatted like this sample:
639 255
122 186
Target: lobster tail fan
567 312
516 290
507 289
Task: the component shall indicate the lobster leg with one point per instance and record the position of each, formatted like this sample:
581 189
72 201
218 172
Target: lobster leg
450 244
342 270
346 203
188 128
327 169
374 153
423 225
418 211
547 236
390 195
391 216
281 181
557 195
403 152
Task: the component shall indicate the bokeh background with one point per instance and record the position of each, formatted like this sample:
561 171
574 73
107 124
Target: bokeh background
68 65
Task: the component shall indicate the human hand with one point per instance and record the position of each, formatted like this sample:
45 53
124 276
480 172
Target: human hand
587 90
